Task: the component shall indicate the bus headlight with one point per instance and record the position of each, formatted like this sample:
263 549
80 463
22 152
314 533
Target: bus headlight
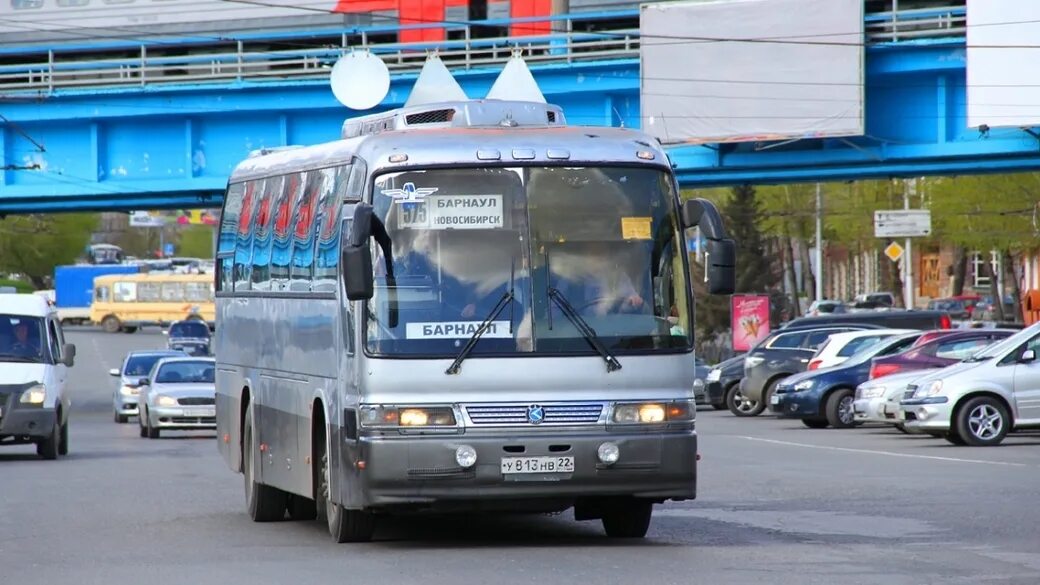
653 412
412 416
35 395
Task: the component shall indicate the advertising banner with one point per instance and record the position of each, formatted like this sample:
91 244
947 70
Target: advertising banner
750 315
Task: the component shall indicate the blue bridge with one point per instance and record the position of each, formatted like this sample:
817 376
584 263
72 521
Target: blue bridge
163 130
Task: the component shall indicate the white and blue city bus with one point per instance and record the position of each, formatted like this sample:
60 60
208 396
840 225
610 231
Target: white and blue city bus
460 306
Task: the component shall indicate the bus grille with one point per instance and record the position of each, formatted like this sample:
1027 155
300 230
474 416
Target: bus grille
516 414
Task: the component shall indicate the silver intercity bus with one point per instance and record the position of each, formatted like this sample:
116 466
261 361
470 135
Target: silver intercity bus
461 306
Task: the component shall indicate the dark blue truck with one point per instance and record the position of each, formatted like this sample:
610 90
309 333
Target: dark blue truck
74 288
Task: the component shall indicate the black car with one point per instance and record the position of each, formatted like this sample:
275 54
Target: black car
879 319
824 397
723 378
190 336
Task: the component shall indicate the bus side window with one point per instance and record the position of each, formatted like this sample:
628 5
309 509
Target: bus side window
327 227
281 251
260 277
302 269
125 292
196 291
173 292
101 294
225 270
149 292
244 236
229 218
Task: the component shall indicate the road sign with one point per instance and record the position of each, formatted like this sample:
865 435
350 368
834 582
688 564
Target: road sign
145 219
168 250
894 251
902 223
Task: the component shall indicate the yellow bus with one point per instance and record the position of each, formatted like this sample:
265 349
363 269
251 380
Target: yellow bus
125 302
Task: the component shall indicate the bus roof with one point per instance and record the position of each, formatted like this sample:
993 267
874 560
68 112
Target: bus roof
438 143
152 277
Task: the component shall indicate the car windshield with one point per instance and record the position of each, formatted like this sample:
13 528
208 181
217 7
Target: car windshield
185 372
603 240
189 329
888 346
22 339
140 365
1007 344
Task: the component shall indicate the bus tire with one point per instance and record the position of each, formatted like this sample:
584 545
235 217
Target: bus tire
111 324
263 502
627 518
344 525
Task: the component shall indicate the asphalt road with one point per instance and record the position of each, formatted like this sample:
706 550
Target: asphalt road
778 504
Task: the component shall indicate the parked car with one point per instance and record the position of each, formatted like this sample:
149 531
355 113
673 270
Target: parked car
724 380
701 370
34 364
841 346
978 401
951 347
783 353
178 394
881 298
877 400
190 336
825 397
825 307
958 309
898 319
136 365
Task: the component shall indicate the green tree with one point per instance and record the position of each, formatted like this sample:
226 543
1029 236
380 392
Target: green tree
196 241
34 244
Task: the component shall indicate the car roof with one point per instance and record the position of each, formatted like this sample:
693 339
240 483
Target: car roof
138 352
849 335
867 320
26 304
186 358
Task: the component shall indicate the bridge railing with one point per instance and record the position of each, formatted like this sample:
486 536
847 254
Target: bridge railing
54 71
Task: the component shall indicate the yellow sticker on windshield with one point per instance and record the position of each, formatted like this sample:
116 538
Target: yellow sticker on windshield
635 228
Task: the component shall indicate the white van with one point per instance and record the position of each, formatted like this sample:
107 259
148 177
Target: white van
34 363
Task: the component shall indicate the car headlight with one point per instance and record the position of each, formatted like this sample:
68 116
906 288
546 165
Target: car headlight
714 375
872 391
804 385
129 390
163 400
412 416
930 390
654 412
698 383
35 395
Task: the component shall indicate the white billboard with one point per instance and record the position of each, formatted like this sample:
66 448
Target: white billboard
1003 63
750 70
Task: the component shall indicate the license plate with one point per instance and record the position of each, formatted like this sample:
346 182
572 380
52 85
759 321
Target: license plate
774 399
199 412
512 465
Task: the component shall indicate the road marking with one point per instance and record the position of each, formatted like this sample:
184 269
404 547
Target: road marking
889 453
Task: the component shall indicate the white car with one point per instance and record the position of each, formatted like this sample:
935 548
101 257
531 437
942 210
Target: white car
878 400
978 401
34 363
841 346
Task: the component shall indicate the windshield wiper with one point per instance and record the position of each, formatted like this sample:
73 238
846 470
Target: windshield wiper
583 327
507 299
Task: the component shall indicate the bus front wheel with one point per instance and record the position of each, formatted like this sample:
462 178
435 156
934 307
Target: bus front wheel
344 525
628 519
111 324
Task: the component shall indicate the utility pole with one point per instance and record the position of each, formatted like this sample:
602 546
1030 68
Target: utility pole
819 243
908 264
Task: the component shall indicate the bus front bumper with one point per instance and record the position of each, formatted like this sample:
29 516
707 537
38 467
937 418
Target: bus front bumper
424 471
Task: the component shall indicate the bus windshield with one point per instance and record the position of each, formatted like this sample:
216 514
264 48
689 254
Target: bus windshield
603 241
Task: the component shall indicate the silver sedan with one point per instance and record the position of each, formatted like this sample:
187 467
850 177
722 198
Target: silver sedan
877 400
179 394
136 366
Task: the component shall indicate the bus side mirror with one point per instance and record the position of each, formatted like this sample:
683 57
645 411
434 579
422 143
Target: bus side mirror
720 261
356 257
